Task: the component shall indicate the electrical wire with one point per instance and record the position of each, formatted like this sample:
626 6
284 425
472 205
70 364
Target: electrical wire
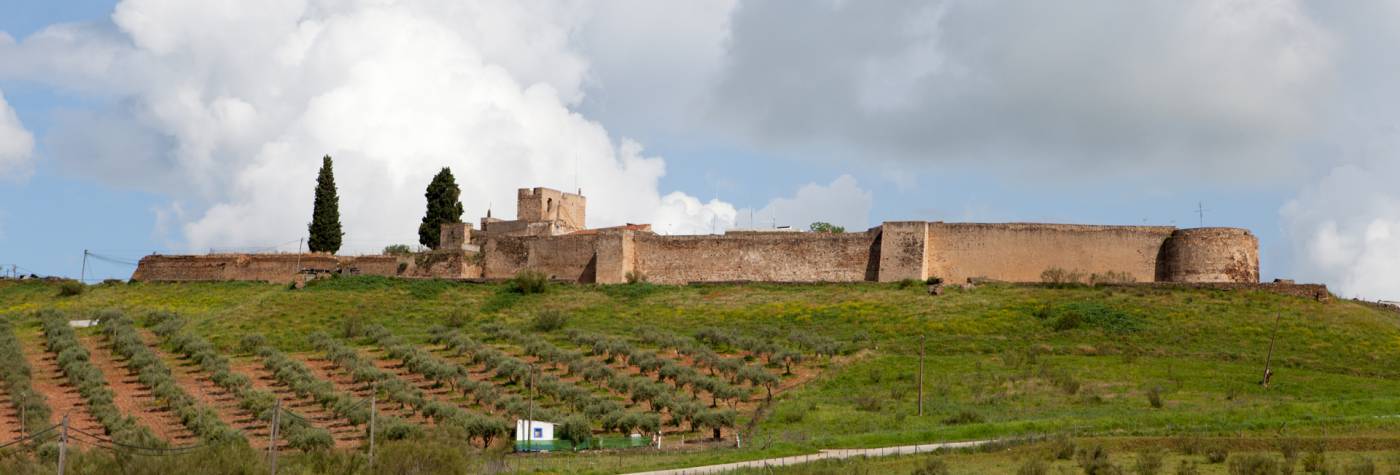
30 436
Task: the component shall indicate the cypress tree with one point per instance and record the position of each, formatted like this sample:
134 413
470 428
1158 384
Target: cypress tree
325 216
444 206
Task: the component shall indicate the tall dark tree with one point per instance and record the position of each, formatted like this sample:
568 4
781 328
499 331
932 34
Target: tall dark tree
325 217
444 206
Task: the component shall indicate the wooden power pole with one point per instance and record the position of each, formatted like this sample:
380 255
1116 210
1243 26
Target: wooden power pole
1269 360
63 441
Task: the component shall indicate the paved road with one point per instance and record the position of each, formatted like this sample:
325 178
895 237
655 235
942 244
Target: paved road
822 455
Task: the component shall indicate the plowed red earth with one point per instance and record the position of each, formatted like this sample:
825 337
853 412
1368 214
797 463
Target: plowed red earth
132 398
9 417
61 397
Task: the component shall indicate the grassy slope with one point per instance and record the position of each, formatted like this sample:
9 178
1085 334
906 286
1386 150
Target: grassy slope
1336 363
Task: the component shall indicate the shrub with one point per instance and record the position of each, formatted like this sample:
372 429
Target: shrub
251 343
1149 461
549 320
70 288
1315 460
1361 465
1217 454
635 277
353 326
1062 447
310 439
932 466
1253 464
528 282
1061 277
397 250
1089 315
1094 461
1033 466
963 417
1112 277
1154 397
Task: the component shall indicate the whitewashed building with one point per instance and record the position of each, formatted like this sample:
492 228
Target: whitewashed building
527 430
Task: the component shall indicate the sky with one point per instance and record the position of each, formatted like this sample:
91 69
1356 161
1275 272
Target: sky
138 126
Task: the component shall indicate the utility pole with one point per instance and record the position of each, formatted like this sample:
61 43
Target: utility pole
272 436
1201 213
373 397
82 276
63 445
922 338
1269 360
530 413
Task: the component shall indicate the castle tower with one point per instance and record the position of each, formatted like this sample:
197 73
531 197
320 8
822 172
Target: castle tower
565 210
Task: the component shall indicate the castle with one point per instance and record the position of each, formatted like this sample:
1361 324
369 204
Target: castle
549 235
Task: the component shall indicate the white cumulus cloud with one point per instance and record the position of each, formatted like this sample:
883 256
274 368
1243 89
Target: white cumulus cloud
1345 230
227 106
16 143
842 202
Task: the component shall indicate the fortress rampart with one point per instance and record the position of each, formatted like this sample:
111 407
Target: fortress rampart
549 237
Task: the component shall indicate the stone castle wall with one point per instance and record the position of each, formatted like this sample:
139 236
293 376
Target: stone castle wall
757 257
283 268
1020 252
955 252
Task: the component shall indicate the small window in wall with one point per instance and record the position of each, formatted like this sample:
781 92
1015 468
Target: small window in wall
539 433
549 205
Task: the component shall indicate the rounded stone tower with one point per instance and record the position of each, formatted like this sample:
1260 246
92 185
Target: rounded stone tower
1209 255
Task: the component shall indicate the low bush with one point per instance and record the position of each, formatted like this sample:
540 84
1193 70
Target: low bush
1253 464
933 466
1088 315
963 417
1149 461
1112 277
528 282
1062 447
549 320
1361 465
71 288
1154 397
398 250
1095 461
1217 454
250 343
1056 276
1033 466
1315 460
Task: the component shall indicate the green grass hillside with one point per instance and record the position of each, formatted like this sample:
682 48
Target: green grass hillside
1102 362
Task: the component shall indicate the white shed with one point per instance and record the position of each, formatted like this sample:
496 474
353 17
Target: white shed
533 430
